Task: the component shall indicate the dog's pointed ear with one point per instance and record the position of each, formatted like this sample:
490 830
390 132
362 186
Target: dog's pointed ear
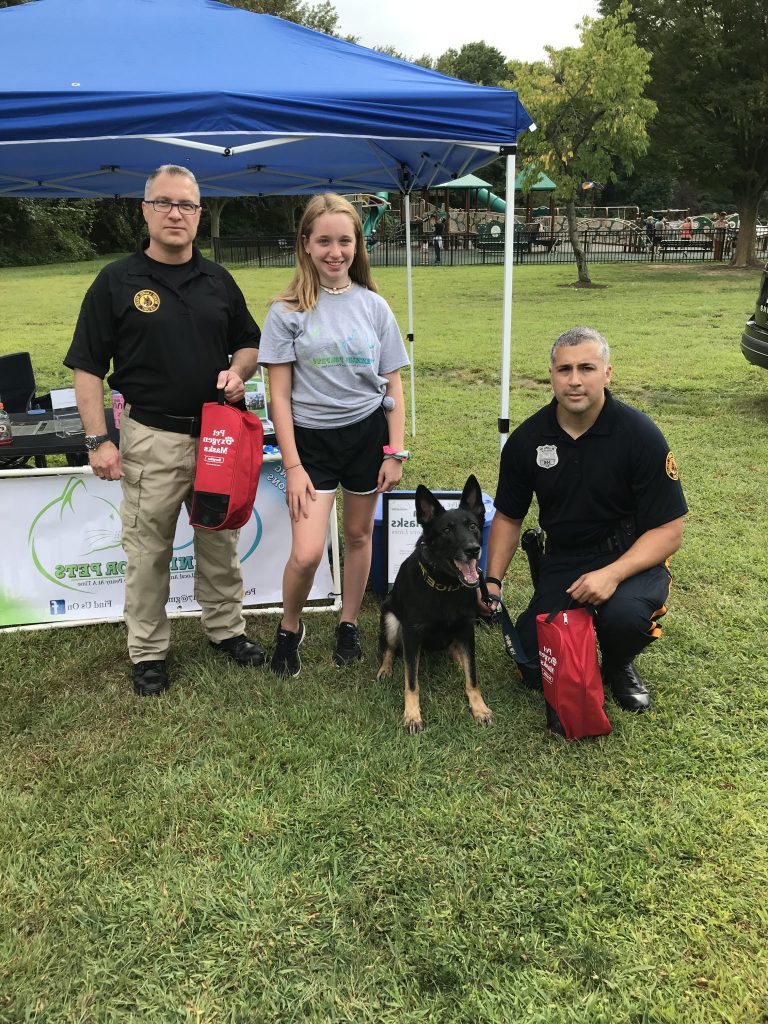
472 497
427 505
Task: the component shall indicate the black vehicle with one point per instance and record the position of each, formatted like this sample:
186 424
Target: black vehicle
754 340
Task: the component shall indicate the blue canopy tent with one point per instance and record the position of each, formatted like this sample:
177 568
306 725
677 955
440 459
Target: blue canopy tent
95 95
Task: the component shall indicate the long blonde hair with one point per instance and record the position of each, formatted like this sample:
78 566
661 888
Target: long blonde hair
303 290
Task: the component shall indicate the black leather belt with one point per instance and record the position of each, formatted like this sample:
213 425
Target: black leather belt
621 537
605 547
176 424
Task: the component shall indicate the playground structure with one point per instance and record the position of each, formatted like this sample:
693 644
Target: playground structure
372 207
483 212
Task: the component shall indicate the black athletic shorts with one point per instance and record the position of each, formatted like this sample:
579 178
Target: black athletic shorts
350 456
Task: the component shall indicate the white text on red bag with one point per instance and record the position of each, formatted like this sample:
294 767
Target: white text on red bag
229 460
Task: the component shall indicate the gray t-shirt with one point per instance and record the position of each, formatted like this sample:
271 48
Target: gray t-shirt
340 351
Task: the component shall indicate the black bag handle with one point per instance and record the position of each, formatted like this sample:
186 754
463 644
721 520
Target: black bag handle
564 607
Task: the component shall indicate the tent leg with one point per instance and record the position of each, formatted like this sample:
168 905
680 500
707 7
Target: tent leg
506 333
409 271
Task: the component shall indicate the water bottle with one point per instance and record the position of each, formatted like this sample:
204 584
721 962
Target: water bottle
6 434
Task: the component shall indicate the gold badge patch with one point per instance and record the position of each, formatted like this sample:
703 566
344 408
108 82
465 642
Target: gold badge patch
146 301
672 467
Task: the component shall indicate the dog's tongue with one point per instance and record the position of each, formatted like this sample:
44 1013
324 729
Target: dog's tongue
468 572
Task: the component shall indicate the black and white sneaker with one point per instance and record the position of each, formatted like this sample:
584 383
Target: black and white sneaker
348 647
286 660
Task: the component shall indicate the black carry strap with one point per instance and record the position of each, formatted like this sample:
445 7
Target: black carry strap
511 636
512 642
566 606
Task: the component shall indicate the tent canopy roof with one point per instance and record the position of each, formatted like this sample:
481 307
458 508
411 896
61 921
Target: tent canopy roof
95 95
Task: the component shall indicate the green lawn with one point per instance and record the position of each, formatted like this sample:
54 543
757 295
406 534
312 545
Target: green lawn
249 850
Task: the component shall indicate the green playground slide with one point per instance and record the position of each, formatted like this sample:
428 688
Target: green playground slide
494 203
375 214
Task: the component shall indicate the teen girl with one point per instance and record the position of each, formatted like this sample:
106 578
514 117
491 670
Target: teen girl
333 352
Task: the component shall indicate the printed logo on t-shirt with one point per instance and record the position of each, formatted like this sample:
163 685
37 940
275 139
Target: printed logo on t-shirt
671 467
146 301
546 456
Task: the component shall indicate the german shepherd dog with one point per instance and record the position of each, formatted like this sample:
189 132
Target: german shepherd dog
433 603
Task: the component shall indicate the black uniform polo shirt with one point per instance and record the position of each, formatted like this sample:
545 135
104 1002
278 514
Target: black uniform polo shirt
620 467
168 331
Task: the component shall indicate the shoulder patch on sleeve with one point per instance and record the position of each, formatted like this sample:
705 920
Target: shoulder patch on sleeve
671 467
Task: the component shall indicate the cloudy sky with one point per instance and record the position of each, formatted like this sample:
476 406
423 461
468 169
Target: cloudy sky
415 27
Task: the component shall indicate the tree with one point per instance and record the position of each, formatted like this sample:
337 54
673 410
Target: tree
710 81
590 112
321 17
474 62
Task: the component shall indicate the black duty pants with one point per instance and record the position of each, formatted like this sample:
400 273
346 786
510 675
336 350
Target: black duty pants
627 622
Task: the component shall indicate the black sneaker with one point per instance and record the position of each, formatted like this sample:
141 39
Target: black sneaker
242 650
348 647
286 660
149 678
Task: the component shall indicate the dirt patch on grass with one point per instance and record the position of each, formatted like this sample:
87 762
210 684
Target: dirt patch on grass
582 284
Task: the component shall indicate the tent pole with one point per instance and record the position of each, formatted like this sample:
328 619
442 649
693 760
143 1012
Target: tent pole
409 272
509 249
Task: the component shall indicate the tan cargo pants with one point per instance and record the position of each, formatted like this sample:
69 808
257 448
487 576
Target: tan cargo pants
159 469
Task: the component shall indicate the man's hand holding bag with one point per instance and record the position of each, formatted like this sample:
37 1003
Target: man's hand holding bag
229 460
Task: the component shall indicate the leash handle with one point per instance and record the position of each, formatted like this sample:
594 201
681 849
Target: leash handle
513 643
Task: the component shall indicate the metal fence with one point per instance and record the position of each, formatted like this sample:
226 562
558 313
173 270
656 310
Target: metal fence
472 249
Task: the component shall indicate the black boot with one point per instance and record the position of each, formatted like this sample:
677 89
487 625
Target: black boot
628 689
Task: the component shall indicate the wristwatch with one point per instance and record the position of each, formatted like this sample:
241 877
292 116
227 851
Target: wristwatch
93 441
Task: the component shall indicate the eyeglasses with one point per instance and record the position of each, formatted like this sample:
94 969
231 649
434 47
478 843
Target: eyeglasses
165 206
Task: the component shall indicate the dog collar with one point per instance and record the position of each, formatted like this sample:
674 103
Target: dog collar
431 582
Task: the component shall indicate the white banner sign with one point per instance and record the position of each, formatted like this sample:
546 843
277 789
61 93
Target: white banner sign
62 560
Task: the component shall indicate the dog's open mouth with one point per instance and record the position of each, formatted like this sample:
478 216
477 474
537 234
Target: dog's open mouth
468 572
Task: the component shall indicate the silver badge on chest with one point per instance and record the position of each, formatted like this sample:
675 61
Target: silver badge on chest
546 456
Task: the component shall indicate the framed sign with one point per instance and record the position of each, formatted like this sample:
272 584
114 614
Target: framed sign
400 528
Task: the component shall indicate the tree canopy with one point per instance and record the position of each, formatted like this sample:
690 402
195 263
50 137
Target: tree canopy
474 62
709 77
322 16
589 106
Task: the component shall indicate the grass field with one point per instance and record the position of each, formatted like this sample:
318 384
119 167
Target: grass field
249 850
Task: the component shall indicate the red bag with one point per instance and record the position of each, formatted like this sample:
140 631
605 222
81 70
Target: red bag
573 685
229 460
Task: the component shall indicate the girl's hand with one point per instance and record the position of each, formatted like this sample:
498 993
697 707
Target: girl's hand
390 474
298 492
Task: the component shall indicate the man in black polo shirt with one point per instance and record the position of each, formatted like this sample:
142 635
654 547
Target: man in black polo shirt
168 321
611 506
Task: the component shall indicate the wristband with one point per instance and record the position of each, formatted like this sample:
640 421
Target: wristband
393 453
492 579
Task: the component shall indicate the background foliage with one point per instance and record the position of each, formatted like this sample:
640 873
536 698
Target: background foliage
707 145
